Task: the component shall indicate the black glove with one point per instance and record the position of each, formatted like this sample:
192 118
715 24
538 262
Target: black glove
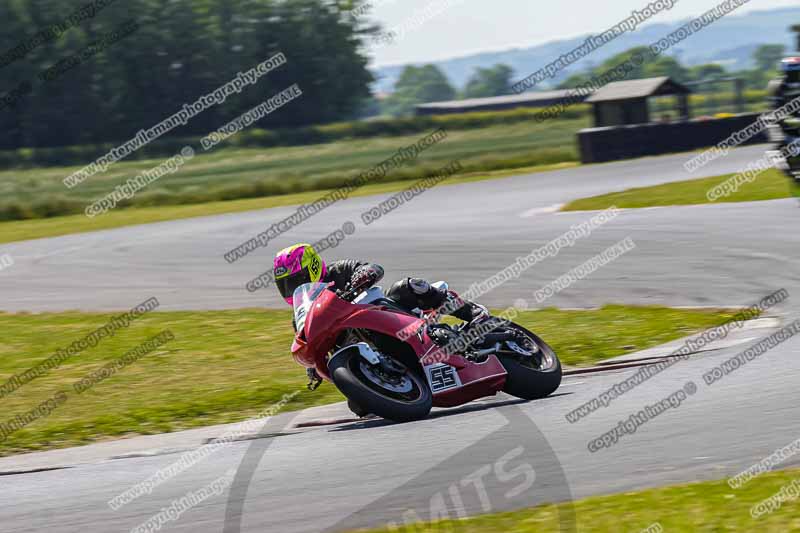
365 276
314 379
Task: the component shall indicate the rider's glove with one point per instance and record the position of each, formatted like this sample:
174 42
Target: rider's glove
314 379
365 276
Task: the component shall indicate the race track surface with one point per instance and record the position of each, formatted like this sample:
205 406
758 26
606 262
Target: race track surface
464 233
469 460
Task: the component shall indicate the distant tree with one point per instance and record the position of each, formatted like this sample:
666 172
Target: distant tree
666 66
607 68
368 107
768 56
756 79
428 83
708 71
575 80
612 62
182 50
494 81
418 85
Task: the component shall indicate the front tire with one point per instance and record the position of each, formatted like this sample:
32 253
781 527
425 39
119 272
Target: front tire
358 381
532 378
356 409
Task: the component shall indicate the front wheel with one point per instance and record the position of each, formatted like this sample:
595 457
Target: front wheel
395 393
531 377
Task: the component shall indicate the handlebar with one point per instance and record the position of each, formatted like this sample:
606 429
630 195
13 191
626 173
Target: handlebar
351 293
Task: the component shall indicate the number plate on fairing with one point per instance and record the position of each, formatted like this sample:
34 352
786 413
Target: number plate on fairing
442 377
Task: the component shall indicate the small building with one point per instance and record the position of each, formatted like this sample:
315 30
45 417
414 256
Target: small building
623 129
623 103
500 103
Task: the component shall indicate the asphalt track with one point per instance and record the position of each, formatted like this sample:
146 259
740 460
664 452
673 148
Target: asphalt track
372 472
464 233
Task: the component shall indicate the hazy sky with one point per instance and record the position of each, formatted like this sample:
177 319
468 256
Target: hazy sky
470 26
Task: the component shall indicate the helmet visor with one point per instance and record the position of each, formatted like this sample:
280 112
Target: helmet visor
288 284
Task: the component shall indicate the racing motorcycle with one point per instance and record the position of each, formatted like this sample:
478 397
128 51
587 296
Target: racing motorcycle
392 363
786 135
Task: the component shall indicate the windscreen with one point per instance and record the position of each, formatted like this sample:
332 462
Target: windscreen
303 297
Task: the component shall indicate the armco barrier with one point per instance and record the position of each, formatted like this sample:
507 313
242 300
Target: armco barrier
613 143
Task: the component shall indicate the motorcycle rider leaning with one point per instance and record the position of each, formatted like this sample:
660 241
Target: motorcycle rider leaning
300 264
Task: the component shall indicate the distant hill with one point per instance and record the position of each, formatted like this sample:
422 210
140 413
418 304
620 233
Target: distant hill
730 40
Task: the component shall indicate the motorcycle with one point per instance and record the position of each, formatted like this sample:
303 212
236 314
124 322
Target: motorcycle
785 136
397 365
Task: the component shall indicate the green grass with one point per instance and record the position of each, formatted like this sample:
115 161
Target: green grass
770 185
582 338
238 173
707 507
303 136
19 230
227 366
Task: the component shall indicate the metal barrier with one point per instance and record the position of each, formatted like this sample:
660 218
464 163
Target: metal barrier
598 145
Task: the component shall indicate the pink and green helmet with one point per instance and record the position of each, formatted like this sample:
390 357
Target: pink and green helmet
296 265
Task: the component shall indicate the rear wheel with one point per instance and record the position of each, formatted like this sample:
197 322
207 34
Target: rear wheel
396 393
531 377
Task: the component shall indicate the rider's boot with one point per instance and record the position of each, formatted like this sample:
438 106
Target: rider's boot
465 310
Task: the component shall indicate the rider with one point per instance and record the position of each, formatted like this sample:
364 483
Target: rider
781 92
300 263
786 88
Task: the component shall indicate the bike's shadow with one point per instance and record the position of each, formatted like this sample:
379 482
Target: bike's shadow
375 422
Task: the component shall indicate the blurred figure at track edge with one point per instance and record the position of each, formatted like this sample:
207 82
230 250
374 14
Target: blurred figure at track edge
786 133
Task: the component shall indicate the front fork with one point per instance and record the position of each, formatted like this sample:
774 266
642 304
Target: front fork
364 350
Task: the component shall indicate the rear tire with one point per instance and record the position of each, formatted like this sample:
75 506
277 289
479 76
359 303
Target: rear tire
348 376
526 381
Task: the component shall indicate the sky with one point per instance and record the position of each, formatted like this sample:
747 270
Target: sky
463 27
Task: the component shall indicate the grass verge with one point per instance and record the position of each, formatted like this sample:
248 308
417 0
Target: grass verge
235 173
20 230
227 366
771 185
707 507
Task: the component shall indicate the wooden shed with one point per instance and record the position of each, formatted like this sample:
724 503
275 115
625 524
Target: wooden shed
625 102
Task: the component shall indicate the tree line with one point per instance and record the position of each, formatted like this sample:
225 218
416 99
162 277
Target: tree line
101 71
427 83
180 50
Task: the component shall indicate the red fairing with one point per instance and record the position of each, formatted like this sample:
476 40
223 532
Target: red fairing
478 381
459 380
331 315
